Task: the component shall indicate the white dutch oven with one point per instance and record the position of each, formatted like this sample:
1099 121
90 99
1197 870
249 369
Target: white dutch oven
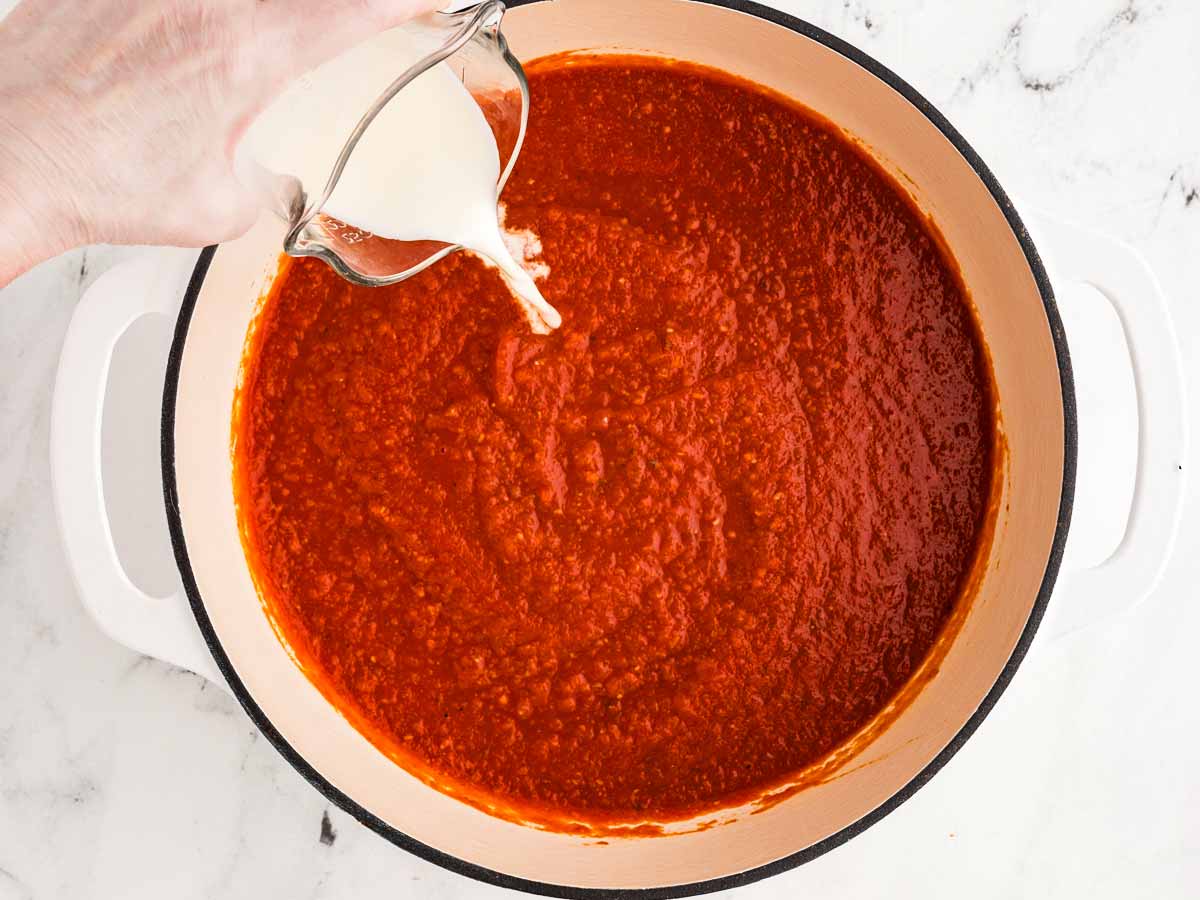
1131 361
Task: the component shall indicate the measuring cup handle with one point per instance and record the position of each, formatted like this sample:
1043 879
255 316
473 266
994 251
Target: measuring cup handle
162 627
1119 272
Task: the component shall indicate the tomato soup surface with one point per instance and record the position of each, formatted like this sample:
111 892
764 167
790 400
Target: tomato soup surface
680 549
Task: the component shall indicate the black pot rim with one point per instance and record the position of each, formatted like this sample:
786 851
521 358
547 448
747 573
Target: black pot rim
481 873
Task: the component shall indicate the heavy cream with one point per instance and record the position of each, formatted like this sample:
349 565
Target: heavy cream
425 169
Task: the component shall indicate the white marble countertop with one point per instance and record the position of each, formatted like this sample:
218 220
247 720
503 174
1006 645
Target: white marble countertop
120 777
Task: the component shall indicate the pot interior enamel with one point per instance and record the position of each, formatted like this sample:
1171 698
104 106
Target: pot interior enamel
1020 329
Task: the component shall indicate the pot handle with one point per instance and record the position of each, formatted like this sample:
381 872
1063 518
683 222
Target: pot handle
1122 578
161 627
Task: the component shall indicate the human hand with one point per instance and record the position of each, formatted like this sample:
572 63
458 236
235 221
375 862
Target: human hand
119 120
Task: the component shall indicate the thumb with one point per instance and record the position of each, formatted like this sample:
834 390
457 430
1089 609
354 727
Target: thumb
222 210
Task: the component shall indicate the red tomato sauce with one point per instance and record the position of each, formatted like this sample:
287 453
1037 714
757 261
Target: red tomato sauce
680 549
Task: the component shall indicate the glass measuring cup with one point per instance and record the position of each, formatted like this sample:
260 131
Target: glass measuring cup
470 42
